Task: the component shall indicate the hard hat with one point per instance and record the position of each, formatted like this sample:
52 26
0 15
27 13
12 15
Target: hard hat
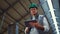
32 5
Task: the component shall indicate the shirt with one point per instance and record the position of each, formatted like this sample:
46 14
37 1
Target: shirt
45 24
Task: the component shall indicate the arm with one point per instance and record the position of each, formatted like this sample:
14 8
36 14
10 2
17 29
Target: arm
39 26
46 25
27 30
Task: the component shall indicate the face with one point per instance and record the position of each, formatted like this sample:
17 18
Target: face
33 11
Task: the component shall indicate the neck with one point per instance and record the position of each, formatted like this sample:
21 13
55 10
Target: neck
36 15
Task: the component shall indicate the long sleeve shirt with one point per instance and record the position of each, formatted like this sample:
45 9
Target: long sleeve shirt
45 25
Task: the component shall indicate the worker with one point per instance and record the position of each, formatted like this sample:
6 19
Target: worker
41 26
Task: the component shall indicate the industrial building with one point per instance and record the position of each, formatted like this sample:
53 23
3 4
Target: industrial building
13 13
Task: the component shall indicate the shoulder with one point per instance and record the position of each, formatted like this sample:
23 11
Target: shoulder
41 15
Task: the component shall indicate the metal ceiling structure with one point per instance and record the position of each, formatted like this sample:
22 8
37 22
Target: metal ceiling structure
17 11
48 10
13 11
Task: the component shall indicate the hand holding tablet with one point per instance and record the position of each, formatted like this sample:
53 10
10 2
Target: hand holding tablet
30 23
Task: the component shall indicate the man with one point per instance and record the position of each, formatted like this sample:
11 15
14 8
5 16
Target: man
41 26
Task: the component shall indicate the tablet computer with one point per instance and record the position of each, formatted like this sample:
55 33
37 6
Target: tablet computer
27 22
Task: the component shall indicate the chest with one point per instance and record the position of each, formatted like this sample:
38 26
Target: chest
39 19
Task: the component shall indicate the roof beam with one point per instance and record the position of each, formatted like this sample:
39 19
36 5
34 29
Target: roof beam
13 18
30 1
10 16
13 7
17 11
23 6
